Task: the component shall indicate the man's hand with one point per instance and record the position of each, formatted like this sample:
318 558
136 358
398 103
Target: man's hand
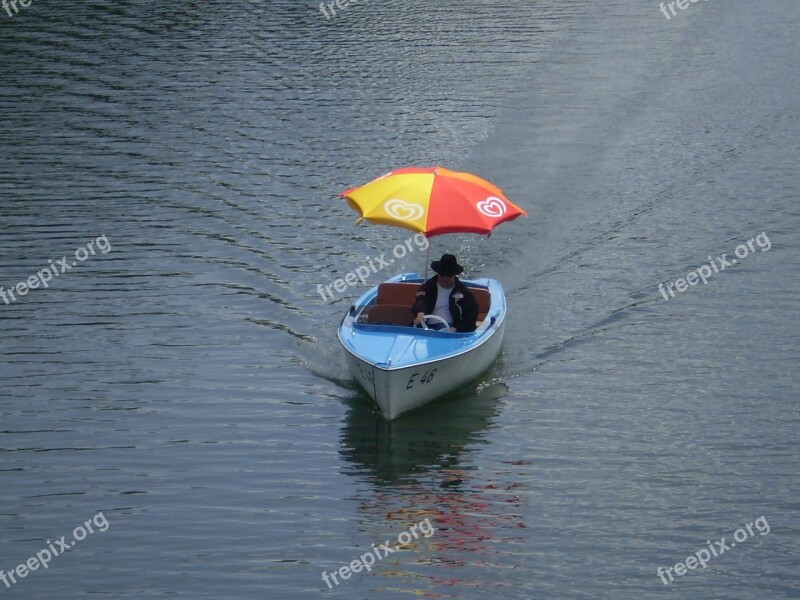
420 318
453 330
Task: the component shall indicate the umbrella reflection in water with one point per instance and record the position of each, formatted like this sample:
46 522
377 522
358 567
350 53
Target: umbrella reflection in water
418 467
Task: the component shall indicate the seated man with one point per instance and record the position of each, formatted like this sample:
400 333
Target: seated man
445 296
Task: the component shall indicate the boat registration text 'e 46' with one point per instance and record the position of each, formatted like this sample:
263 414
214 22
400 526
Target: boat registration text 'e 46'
426 377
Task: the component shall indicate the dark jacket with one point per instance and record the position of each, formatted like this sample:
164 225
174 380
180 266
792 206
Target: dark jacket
463 305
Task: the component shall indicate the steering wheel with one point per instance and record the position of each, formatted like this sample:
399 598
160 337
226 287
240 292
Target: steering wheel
436 318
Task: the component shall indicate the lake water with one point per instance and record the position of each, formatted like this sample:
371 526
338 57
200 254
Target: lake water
181 388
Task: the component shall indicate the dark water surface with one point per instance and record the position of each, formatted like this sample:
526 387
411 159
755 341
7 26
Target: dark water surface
188 384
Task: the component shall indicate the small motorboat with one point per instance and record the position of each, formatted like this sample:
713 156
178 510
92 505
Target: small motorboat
400 366
403 367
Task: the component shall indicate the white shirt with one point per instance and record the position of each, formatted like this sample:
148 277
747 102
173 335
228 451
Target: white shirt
442 308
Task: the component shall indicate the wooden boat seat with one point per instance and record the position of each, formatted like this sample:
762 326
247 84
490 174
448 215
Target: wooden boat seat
484 299
404 294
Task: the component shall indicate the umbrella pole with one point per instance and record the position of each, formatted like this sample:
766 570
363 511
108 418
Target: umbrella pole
427 259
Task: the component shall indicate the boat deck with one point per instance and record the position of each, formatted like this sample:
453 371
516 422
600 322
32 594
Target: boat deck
378 327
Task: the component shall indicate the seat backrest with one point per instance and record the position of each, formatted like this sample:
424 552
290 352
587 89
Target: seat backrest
404 294
484 299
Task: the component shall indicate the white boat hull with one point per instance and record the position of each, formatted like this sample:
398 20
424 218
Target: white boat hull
402 367
400 390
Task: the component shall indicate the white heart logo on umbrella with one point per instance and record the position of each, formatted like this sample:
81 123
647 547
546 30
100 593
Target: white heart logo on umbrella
402 210
492 207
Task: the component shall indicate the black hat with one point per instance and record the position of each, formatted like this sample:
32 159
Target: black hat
447 265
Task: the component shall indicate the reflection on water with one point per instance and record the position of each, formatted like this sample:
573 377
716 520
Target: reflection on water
390 452
421 466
